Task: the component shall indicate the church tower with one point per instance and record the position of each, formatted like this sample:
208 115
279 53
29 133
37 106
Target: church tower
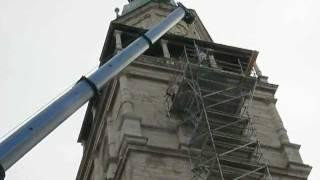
188 108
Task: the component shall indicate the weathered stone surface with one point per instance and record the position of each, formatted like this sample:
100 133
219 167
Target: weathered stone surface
134 137
146 166
152 13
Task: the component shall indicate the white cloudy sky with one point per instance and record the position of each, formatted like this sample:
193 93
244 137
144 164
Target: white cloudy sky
47 45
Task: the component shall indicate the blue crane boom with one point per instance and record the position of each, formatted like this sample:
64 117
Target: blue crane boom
29 135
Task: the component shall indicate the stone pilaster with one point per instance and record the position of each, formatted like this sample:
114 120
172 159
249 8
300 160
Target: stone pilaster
117 35
212 61
165 49
259 74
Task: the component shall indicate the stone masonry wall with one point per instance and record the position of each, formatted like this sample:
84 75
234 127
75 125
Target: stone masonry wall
144 143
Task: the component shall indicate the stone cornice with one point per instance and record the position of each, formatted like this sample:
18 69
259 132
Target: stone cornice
264 86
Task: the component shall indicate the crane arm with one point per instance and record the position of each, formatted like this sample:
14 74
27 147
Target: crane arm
30 134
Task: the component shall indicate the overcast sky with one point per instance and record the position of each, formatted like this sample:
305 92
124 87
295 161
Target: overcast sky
47 45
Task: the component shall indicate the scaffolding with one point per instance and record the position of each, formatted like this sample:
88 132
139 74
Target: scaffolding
213 97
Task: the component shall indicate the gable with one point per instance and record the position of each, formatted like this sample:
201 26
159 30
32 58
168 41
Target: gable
134 4
152 13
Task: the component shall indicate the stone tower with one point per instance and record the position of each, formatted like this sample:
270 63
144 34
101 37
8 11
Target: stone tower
188 108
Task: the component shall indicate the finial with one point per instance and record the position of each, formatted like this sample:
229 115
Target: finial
117 10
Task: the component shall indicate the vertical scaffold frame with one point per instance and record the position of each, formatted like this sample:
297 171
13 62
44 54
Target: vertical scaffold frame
214 106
